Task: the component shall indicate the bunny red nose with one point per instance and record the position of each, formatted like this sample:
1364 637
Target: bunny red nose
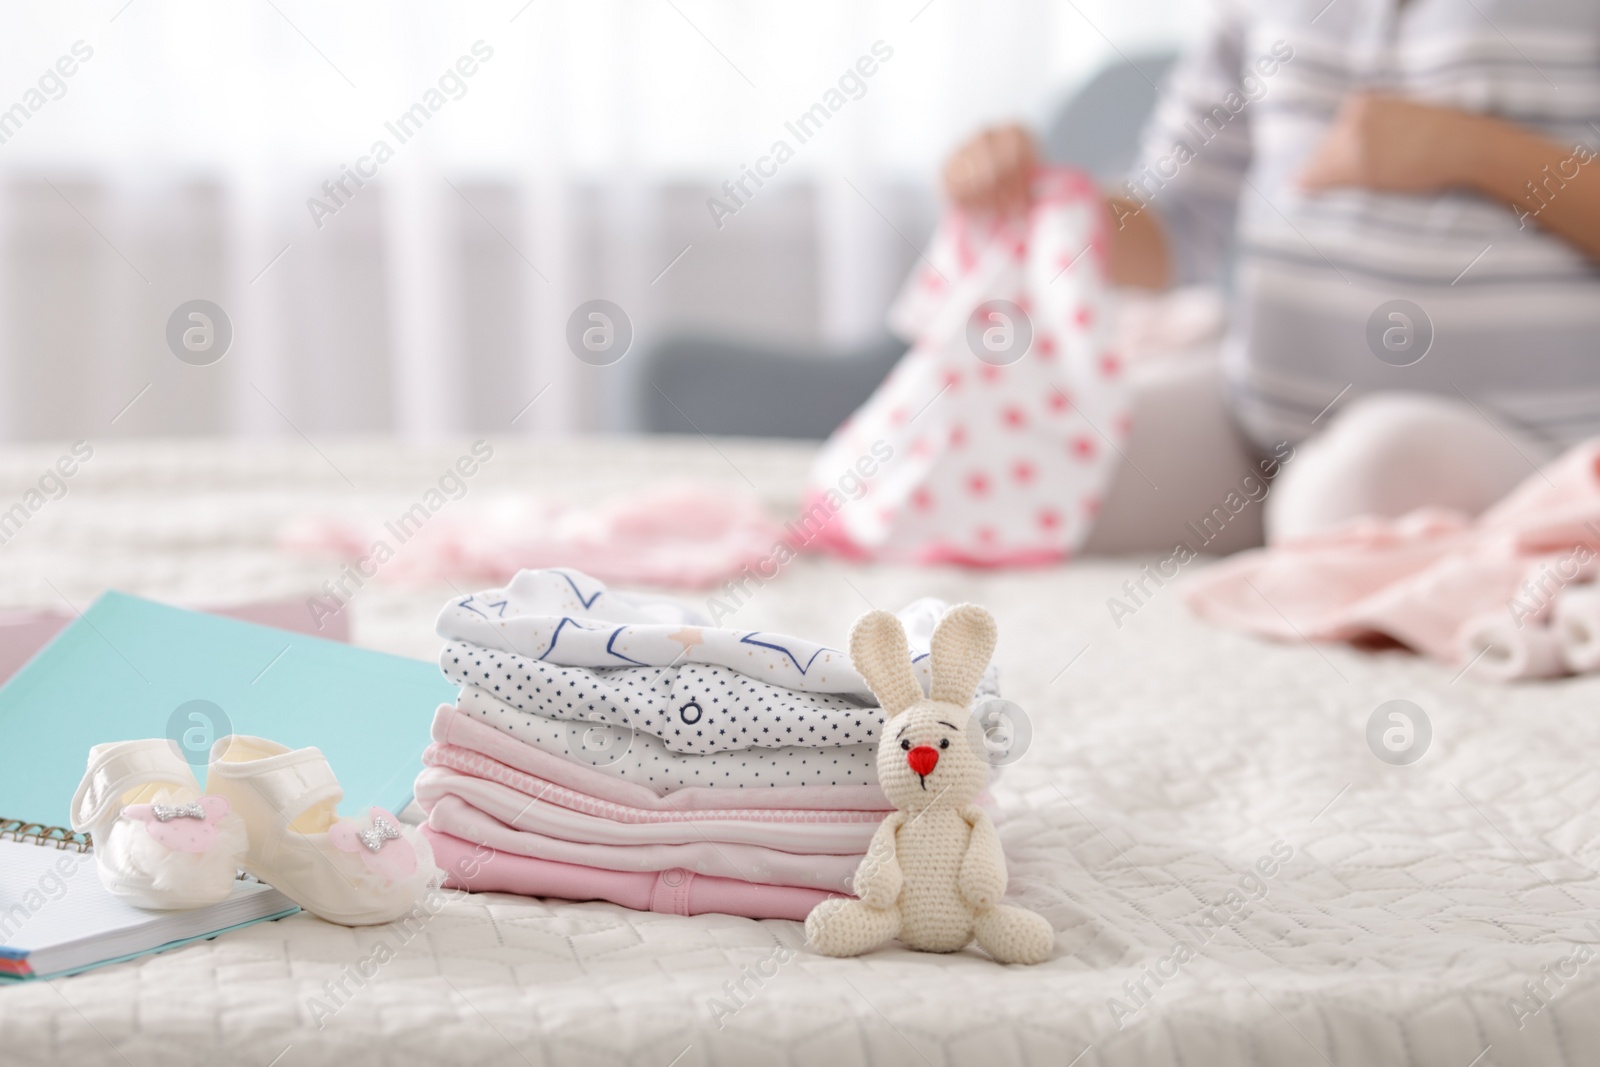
922 759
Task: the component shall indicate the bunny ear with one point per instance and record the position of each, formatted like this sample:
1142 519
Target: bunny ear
342 836
962 644
879 651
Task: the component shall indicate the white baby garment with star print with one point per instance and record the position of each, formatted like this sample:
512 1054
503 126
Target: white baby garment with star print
1000 460
564 617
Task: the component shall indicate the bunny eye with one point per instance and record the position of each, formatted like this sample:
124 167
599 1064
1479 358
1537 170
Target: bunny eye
905 746
944 743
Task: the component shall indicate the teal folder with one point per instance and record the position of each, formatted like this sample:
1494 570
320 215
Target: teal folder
131 668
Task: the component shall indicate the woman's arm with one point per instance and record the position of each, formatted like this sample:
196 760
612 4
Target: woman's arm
1395 145
1138 246
1172 221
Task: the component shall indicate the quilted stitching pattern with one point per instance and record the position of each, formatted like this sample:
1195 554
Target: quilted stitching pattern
1166 761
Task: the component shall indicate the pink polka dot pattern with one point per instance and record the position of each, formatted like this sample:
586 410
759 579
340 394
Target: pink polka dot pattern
1001 462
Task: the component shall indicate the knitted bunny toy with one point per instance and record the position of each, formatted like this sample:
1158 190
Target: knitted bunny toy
934 873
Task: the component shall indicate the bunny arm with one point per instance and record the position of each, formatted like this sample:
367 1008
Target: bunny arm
879 878
982 877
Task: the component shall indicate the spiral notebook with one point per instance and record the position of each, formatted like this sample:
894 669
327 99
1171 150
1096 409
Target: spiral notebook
57 919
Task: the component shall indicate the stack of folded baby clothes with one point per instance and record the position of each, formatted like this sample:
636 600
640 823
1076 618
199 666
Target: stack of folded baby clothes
617 746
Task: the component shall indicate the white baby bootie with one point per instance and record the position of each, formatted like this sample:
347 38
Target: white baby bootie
355 872
158 841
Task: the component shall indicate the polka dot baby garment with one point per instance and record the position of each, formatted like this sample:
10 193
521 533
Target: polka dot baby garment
693 708
641 757
1004 422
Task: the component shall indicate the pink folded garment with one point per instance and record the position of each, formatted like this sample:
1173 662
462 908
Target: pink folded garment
532 811
674 892
451 726
1422 578
677 534
477 765
450 814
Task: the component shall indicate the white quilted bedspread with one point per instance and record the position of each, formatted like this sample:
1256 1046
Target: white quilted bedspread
1168 758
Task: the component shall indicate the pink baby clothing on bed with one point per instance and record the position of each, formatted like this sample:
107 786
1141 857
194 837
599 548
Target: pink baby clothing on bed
535 811
450 814
1422 578
467 762
672 892
677 534
995 437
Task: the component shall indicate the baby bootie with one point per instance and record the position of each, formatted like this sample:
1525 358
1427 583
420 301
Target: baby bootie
158 841
355 872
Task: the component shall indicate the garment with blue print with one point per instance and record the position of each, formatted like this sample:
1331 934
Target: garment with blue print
564 618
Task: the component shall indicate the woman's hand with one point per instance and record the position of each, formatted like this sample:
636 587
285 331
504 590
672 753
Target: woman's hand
993 172
1394 145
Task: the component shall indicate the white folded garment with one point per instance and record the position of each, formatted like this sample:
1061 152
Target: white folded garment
1498 648
641 757
1577 627
569 619
692 708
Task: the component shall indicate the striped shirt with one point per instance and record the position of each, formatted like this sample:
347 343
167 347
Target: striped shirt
1496 309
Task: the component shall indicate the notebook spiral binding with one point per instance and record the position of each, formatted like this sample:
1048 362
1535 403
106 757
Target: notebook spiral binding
60 837
42 835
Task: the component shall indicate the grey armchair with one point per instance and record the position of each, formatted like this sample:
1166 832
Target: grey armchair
720 385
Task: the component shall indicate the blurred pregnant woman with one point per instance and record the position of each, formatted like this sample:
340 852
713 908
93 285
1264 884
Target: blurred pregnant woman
1406 194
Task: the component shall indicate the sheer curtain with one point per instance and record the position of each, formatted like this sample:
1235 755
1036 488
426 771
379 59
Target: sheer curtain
398 206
